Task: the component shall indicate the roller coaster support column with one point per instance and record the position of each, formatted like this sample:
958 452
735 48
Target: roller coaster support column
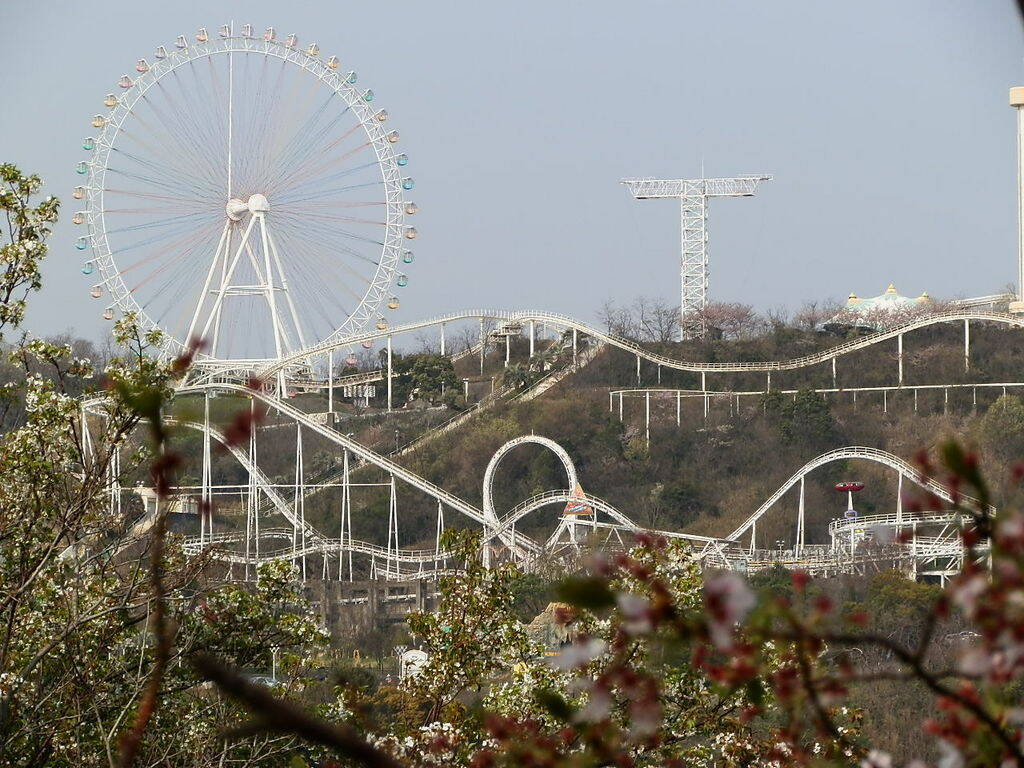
611 402
834 373
899 357
574 348
442 340
967 344
206 503
440 531
800 522
533 335
620 406
703 381
253 487
753 536
638 370
899 504
483 346
346 519
769 387
390 372
647 417
330 381
679 409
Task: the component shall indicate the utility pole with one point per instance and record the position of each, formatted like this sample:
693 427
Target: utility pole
693 197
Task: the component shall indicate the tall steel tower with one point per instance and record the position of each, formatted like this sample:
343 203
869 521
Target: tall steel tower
693 197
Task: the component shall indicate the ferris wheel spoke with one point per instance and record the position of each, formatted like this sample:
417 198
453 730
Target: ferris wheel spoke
152 181
303 148
168 222
179 148
180 129
318 231
177 245
310 176
167 173
328 193
315 277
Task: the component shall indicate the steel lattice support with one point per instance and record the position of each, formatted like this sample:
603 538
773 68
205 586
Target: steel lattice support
693 197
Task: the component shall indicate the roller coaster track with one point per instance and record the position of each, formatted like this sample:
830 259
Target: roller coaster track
357 449
851 452
563 321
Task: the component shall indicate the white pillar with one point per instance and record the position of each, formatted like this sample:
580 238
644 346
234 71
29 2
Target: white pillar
800 521
330 381
533 334
647 417
574 346
834 385
899 502
620 405
508 348
483 346
1017 101
442 341
390 373
967 344
899 356
638 370
679 408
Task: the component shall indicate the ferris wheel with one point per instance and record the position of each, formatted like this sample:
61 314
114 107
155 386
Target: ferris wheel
243 190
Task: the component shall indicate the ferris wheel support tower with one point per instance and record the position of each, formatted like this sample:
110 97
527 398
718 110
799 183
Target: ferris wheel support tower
693 197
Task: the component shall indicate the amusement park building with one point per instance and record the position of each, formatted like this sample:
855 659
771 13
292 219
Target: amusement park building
873 314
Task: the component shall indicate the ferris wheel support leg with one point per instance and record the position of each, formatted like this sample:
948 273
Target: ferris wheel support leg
218 256
226 275
279 341
284 289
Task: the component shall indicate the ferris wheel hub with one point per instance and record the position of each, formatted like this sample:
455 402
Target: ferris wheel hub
236 208
258 204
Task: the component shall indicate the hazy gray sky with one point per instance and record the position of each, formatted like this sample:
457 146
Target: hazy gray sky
885 125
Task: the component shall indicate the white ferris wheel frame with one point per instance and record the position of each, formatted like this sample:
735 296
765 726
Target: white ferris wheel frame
102 255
